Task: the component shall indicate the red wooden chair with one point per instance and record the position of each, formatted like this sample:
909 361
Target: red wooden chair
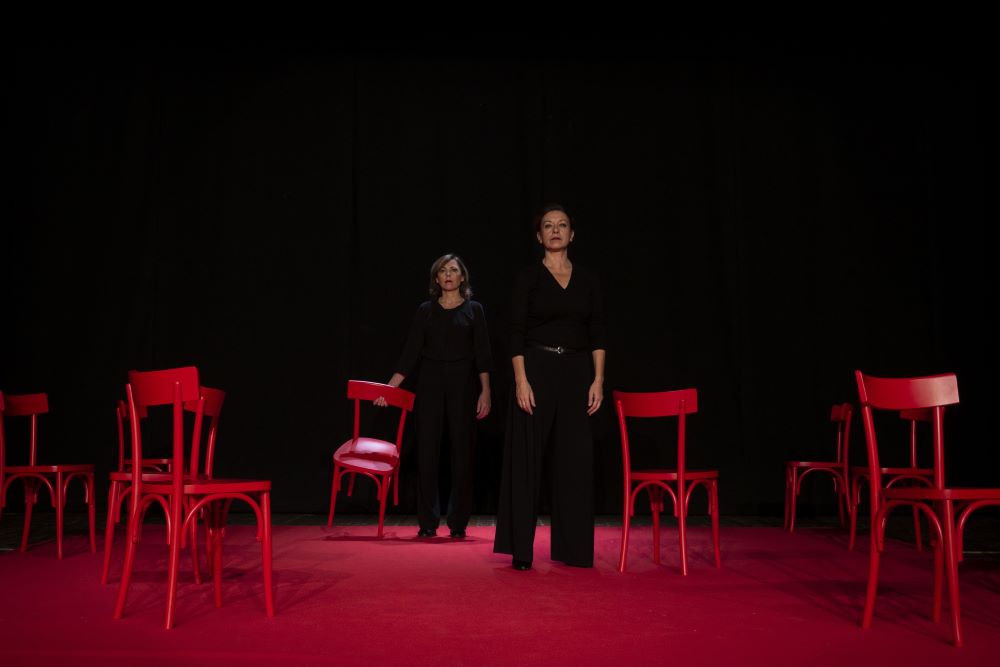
185 495
55 478
679 483
158 470
912 475
796 471
378 459
937 503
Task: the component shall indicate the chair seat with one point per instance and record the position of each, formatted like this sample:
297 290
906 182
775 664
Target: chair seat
672 474
833 465
126 476
206 486
51 469
920 493
367 454
863 470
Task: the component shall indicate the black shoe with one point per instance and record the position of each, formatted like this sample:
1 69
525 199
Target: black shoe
427 532
522 565
458 533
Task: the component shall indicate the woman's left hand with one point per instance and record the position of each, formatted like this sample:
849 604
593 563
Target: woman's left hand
595 396
483 405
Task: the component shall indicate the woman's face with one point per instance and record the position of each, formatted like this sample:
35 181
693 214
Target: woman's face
556 232
449 276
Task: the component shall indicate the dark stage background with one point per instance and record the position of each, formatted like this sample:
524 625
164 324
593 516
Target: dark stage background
767 214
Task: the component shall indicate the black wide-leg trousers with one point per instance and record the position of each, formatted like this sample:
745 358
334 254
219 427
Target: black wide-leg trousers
560 383
446 398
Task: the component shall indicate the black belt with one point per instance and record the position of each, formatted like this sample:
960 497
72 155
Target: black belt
558 349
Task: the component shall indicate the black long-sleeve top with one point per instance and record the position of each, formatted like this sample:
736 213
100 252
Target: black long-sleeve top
545 313
440 334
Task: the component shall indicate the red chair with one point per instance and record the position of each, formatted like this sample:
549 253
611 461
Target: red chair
911 475
185 495
678 403
158 470
55 478
796 471
937 504
373 458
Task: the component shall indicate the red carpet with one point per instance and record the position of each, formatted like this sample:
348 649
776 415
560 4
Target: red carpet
346 597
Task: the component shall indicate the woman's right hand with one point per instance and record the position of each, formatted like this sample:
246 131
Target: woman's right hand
394 381
525 396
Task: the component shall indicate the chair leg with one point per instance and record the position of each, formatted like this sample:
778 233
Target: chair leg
951 567
333 493
30 498
788 500
839 491
174 561
60 516
626 517
714 508
938 582
350 484
682 526
872 588
855 501
383 493
215 521
109 528
91 512
265 510
916 530
193 539
132 537
793 497
655 505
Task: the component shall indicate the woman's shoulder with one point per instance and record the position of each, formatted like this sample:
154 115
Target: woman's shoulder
474 306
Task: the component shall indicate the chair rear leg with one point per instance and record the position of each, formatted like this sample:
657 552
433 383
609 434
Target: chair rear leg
265 510
682 526
60 513
714 508
30 498
951 568
333 493
655 506
383 494
114 509
91 512
793 498
626 516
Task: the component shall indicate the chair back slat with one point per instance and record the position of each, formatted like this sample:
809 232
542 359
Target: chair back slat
931 393
27 405
679 403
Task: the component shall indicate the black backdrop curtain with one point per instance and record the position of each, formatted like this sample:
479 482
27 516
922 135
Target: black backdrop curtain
766 217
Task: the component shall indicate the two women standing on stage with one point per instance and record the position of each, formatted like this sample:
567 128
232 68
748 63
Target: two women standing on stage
558 352
450 342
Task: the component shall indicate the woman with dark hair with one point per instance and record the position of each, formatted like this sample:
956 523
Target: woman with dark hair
558 352
450 342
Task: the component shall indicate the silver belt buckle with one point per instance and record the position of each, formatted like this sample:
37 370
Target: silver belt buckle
560 349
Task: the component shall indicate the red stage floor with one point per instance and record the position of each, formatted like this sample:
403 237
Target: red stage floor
344 596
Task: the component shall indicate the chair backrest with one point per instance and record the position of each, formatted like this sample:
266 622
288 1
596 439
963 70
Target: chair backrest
841 415
174 387
360 390
212 407
26 405
931 393
679 403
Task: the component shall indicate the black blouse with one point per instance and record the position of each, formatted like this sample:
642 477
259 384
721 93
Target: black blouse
441 334
545 313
